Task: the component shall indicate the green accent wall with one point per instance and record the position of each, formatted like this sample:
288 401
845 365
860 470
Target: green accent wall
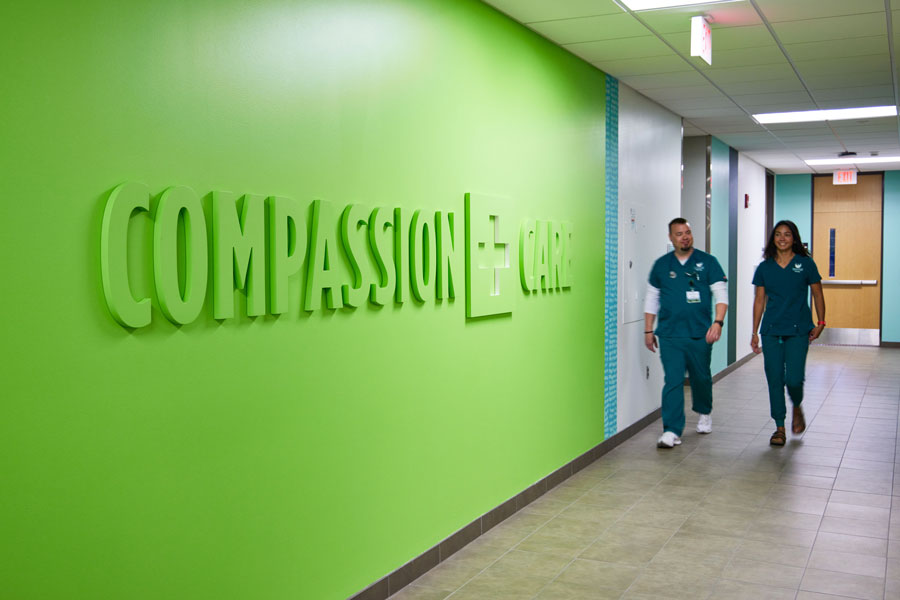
308 454
890 256
718 244
793 202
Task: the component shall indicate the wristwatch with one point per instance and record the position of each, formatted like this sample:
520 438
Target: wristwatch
721 323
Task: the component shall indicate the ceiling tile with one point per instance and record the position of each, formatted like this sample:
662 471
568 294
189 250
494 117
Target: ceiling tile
642 82
754 73
859 46
635 47
733 111
677 93
643 66
850 79
794 10
838 92
589 29
880 63
528 11
831 28
761 87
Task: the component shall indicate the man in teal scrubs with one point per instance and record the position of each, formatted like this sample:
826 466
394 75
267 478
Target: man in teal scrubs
682 288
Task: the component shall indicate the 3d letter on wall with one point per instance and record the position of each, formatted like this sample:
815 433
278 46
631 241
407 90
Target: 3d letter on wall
287 248
322 273
180 203
490 256
354 218
383 252
239 258
444 229
541 256
555 248
399 252
526 255
421 253
568 235
123 201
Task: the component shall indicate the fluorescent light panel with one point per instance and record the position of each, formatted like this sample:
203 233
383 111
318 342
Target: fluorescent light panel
852 160
837 114
638 5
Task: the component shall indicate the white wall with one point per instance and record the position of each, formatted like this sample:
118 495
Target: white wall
751 240
693 195
649 197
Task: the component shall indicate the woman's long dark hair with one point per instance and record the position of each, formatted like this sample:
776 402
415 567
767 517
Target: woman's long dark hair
798 248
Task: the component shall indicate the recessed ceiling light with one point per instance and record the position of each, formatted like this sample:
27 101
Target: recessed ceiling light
852 160
836 114
638 5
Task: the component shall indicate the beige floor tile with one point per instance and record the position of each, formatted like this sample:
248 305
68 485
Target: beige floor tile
772 551
672 585
599 574
854 527
701 566
561 590
846 562
702 543
727 589
620 552
859 499
765 573
843 584
840 542
418 592
781 518
863 513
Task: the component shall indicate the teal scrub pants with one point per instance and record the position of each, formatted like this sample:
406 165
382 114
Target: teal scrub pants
678 354
784 360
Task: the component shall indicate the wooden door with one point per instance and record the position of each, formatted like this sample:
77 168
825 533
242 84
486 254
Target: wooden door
847 222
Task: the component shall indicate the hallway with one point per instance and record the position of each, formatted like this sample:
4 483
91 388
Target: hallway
723 515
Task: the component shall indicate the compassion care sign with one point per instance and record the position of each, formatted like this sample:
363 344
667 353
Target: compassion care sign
349 255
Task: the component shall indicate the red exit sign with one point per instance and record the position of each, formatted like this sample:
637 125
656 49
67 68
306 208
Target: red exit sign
844 178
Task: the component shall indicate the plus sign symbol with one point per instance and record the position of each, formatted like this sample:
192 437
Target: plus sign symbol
490 256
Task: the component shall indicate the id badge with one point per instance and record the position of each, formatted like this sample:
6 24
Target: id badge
693 296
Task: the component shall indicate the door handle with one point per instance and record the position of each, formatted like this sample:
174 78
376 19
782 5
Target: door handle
849 282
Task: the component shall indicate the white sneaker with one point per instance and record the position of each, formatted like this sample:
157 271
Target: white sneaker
668 440
705 424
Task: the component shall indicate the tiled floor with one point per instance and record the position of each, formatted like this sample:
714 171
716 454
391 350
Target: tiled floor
722 516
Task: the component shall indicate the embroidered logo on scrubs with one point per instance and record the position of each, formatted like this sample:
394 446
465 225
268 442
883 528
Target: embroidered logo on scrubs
798 268
672 275
699 266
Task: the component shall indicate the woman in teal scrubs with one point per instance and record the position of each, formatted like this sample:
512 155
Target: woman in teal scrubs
782 282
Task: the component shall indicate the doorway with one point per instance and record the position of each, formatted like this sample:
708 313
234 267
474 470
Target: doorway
847 249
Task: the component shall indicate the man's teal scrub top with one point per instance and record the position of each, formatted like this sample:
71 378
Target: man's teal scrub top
681 315
787 309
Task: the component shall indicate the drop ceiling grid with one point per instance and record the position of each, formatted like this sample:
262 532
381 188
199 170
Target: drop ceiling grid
841 53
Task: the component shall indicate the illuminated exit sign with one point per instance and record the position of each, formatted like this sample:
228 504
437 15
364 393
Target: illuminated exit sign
701 39
844 178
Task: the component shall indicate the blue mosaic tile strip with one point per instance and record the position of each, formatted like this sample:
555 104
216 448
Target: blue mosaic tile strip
610 313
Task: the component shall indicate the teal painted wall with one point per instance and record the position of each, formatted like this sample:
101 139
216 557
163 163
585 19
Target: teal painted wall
890 256
306 455
793 202
718 242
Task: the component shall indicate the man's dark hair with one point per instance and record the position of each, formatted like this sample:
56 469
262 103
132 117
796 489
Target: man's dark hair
771 251
677 221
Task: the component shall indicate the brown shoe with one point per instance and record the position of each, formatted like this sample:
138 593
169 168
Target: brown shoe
778 438
798 425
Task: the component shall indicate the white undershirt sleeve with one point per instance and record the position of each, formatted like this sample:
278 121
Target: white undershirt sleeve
720 292
651 302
